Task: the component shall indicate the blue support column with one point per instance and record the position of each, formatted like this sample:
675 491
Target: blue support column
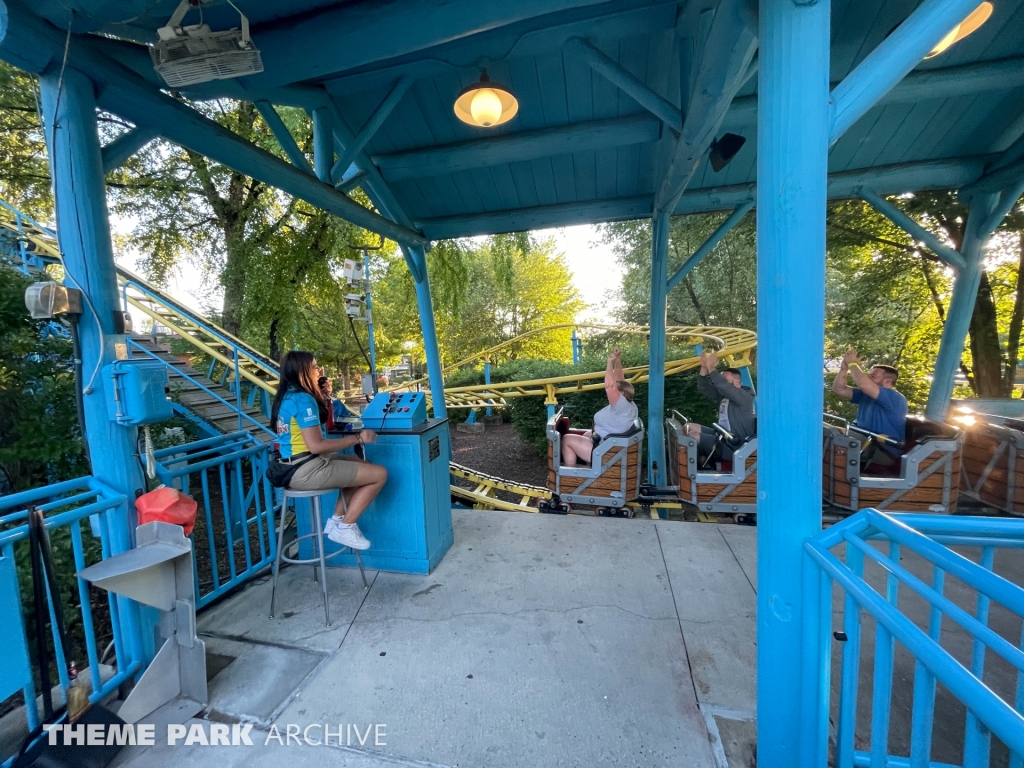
575 347
792 154
487 380
745 377
961 307
656 361
417 261
369 322
76 162
323 144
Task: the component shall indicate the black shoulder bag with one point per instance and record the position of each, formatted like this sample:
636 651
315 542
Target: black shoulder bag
280 474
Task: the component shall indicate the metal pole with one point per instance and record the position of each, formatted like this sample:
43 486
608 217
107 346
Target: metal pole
323 144
961 307
76 163
418 261
487 380
792 155
656 380
238 390
369 322
575 348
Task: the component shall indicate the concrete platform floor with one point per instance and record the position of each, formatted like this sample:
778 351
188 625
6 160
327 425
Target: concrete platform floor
539 640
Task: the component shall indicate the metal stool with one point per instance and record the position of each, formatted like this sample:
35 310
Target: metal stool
318 560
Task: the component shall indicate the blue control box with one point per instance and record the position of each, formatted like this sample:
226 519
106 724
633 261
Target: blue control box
137 392
409 524
395 410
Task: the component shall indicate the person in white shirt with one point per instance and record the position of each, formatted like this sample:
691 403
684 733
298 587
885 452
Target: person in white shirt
615 418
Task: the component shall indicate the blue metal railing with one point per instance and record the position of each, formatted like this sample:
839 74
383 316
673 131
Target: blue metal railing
237 509
928 537
65 506
242 415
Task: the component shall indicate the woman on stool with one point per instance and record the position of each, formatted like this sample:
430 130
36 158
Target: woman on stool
299 414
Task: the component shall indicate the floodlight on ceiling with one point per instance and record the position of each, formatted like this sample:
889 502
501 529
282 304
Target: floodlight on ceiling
188 55
486 104
725 149
976 18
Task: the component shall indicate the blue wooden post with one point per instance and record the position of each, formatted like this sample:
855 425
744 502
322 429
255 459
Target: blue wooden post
417 261
792 154
69 117
487 380
323 144
961 307
656 360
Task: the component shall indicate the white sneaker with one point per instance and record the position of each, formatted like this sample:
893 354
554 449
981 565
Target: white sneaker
332 524
348 536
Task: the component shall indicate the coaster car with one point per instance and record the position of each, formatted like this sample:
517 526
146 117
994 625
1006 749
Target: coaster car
730 489
928 476
611 480
993 465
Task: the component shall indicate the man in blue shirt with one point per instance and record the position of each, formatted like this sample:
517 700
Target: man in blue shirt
880 408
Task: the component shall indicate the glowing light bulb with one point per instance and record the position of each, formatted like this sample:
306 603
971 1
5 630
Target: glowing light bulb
976 18
485 107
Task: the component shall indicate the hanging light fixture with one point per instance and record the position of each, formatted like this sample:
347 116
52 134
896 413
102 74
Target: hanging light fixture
976 18
486 104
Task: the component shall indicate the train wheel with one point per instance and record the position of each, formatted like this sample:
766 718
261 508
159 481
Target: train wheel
602 511
746 520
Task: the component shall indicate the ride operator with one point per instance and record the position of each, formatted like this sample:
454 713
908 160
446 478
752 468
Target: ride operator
735 407
880 408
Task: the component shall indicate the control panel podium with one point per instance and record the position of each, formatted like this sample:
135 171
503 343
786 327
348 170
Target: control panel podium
409 524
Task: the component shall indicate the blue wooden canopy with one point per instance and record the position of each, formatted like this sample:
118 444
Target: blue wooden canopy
600 95
619 105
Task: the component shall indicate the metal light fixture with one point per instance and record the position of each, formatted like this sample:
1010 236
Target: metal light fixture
486 104
976 18
725 149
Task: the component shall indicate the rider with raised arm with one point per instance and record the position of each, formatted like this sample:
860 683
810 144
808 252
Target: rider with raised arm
735 406
615 418
880 408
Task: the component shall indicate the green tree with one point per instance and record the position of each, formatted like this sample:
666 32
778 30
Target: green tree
720 291
40 441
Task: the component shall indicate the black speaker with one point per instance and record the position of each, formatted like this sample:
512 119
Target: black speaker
725 149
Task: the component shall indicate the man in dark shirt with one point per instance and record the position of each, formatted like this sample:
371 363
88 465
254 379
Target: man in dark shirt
880 408
735 406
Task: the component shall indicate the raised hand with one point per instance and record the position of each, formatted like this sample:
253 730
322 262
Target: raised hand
850 357
712 360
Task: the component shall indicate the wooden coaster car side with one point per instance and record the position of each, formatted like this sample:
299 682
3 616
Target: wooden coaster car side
613 477
928 479
730 492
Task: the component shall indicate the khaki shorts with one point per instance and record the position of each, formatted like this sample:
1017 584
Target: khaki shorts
324 472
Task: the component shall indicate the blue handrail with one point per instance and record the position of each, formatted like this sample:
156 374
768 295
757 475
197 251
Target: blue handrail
65 505
927 537
135 346
247 504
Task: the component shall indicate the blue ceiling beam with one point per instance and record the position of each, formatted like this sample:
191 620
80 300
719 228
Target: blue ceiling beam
350 182
997 75
122 92
947 253
1002 173
627 82
372 126
709 245
516 147
893 59
883 180
323 143
342 37
284 136
724 62
117 152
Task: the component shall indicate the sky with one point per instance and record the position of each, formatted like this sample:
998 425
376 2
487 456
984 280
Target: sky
592 263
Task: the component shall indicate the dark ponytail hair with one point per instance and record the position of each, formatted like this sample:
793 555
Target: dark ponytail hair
297 375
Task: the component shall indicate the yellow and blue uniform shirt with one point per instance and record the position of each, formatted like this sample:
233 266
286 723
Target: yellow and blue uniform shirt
298 411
